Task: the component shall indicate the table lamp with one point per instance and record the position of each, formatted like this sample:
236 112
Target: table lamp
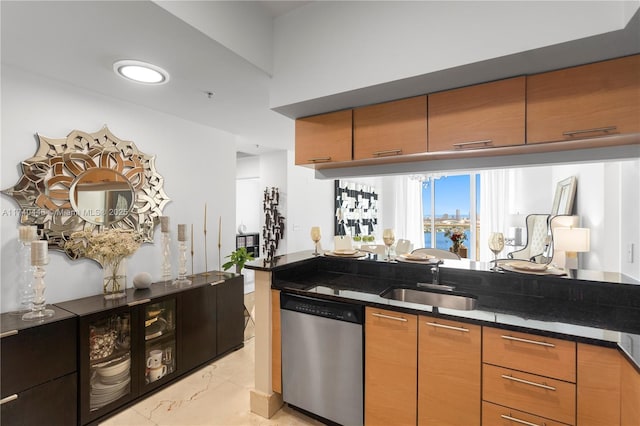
572 241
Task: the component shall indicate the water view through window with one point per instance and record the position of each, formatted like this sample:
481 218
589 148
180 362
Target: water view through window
446 206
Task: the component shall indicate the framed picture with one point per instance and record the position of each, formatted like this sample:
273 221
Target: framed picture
564 197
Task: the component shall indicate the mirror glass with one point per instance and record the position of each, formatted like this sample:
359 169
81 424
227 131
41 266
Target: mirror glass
88 182
102 196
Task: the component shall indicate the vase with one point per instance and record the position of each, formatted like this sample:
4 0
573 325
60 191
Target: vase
114 283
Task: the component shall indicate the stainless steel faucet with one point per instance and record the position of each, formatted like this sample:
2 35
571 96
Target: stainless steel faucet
435 279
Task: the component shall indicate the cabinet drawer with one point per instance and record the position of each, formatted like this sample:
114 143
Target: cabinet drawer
38 354
497 415
52 403
542 396
535 354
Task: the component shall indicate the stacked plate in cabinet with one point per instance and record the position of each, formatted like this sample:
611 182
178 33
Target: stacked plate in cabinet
109 381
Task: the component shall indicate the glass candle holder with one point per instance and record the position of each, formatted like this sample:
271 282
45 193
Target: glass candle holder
26 234
182 256
39 258
166 272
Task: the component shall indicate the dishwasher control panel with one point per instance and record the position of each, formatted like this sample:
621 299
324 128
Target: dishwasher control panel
322 308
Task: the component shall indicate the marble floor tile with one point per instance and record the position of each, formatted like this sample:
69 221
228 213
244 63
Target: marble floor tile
217 394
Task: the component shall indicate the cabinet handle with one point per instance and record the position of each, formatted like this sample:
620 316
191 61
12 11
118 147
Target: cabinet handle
448 327
594 130
8 333
138 302
319 160
216 282
484 142
389 317
514 419
527 382
533 342
9 398
387 152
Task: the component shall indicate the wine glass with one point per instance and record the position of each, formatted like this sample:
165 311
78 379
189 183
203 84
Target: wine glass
496 244
316 236
389 237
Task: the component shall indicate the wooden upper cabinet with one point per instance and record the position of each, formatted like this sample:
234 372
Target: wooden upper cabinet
390 128
324 138
585 101
480 116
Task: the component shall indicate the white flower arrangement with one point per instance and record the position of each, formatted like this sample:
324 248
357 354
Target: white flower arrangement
107 247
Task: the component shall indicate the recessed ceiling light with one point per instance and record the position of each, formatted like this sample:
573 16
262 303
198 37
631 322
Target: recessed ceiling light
141 72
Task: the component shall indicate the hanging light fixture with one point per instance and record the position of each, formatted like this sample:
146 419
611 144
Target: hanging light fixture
141 72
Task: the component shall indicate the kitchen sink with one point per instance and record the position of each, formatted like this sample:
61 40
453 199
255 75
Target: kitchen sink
433 297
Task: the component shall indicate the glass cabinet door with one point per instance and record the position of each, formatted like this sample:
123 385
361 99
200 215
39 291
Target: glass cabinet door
159 340
109 359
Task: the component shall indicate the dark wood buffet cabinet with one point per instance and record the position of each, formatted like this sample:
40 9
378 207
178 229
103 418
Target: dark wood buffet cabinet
95 357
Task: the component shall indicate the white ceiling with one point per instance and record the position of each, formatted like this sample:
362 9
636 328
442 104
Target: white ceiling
77 42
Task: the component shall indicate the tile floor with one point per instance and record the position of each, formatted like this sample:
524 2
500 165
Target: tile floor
217 394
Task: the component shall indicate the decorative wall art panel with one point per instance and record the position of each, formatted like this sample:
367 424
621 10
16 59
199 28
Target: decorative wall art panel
356 209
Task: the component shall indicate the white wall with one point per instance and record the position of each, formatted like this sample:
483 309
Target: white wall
197 163
249 194
326 48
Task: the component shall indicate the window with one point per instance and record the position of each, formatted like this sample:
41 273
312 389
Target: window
447 202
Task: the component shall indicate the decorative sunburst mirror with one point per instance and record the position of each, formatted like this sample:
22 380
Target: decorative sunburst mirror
89 181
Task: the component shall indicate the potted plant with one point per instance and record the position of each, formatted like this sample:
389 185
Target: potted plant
238 258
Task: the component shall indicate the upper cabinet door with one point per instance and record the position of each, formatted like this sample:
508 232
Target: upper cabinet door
480 116
390 128
585 101
324 138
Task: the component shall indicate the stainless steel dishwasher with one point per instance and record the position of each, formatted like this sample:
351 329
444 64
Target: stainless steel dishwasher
322 357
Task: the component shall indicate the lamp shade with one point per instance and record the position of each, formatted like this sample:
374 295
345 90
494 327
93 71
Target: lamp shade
571 239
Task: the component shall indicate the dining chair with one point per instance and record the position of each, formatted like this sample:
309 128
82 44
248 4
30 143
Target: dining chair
538 240
403 246
342 242
438 253
374 249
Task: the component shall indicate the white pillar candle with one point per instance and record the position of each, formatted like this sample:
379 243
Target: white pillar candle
164 223
27 233
39 253
182 232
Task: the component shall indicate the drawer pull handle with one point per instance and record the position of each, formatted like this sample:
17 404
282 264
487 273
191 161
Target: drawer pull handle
387 152
320 160
597 129
9 398
514 419
533 342
216 282
389 317
485 143
448 327
527 382
9 333
138 302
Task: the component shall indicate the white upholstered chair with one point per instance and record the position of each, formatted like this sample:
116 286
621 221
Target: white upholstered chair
403 246
538 240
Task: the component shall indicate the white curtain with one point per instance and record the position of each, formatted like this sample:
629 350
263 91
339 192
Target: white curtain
408 210
495 197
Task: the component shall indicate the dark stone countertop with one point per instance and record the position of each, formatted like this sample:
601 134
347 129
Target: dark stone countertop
589 306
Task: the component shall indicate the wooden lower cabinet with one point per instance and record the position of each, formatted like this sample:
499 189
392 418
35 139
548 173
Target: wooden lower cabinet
276 343
542 396
449 372
598 390
630 393
391 349
497 415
